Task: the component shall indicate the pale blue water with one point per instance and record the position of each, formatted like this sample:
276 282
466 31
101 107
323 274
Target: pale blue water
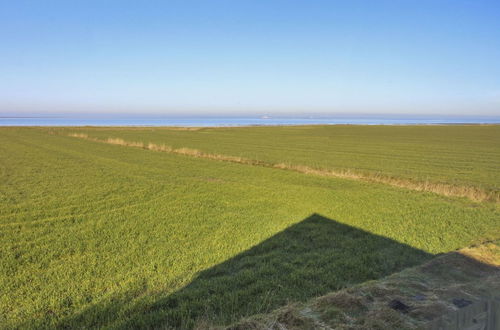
239 121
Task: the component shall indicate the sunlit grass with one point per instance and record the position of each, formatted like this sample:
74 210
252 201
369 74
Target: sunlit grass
451 160
99 234
469 191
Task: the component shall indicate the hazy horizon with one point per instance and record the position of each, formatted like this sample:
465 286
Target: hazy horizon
178 58
236 115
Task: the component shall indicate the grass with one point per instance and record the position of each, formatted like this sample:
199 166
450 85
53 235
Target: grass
460 159
427 291
472 192
96 234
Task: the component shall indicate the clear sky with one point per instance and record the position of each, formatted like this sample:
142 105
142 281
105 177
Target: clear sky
250 56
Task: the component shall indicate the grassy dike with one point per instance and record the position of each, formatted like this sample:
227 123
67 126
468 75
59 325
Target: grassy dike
95 234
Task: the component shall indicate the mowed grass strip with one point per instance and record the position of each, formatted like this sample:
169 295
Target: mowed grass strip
101 235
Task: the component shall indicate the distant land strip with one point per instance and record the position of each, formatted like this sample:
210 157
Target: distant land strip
473 193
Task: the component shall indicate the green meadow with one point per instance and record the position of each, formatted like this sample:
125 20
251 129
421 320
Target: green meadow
100 235
455 154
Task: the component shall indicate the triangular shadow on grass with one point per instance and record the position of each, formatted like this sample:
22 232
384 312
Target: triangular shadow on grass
308 259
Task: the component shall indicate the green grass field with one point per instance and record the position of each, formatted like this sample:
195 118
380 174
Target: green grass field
463 155
94 234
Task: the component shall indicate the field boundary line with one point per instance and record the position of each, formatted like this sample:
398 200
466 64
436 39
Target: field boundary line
473 193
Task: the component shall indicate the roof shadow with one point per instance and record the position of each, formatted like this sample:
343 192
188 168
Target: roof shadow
308 259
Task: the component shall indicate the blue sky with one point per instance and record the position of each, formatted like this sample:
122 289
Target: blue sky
250 56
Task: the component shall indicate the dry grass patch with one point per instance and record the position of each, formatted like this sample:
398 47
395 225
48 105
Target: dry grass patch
79 135
488 253
157 147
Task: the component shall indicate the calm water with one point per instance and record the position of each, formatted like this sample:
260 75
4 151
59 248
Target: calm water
235 121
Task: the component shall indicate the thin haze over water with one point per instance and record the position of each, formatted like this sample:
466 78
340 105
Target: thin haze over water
240 121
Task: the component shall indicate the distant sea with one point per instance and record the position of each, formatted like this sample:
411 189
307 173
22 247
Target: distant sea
194 121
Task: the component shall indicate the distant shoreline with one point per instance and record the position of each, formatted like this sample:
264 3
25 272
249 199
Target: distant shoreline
249 121
241 126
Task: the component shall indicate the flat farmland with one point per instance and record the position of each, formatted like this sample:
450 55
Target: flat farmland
98 234
457 155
